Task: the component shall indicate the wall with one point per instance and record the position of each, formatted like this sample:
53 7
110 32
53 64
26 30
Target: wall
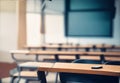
8 28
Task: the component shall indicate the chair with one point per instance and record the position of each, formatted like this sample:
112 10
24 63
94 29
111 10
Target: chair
113 62
86 78
86 61
27 74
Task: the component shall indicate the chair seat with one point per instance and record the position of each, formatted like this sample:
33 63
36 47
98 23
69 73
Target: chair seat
26 74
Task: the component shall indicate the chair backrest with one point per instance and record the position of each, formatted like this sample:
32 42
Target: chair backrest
113 63
86 78
86 61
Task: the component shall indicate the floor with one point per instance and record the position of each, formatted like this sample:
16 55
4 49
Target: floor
50 79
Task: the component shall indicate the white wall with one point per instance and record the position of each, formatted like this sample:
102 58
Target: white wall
8 34
8 28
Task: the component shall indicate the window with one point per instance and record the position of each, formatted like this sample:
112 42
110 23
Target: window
54 22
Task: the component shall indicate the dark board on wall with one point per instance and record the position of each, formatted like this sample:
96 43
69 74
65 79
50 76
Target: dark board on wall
89 18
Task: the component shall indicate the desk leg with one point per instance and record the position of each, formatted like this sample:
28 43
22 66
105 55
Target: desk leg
102 58
87 49
56 57
37 58
77 56
119 79
41 76
56 80
0 80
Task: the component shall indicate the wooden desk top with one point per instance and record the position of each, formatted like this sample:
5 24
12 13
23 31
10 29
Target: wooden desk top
19 51
36 64
109 70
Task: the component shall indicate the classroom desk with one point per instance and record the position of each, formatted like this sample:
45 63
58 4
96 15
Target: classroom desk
60 47
77 54
108 70
86 47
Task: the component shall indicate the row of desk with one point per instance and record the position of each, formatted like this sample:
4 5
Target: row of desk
107 70
56 54
76 47
68 67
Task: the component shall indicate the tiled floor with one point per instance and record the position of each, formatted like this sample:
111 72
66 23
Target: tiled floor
50 79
